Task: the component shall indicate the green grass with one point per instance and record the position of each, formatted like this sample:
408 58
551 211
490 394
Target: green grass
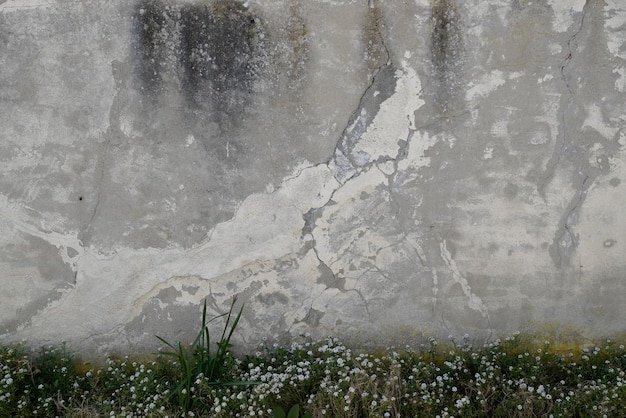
198 361
519 376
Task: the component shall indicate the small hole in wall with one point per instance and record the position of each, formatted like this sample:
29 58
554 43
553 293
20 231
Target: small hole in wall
80 198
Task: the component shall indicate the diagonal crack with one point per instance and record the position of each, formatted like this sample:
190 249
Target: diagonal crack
563 141
564 237
344 162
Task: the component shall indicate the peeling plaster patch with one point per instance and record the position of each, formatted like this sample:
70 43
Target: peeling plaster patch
126 126
474 301
395 118
182 285
500 129
547 77
309 187
595 121
564 13
435 287
615 22
345 162
331 246
420 143
487 85
69 246
620 83
265 227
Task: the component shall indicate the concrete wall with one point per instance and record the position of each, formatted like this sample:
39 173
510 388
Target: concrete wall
377 170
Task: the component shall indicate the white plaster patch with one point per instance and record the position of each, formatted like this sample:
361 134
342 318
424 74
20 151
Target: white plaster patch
550 109
415 159
265 227
564 11
500 129
539 138
300 188
595 121
545 78
487 85
615 24
474 301
13 215
620 83
394 120
555 48
345 209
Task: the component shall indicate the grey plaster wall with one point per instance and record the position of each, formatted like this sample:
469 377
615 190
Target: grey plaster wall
376 170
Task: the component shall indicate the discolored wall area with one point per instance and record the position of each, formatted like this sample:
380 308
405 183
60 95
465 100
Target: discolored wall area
380 171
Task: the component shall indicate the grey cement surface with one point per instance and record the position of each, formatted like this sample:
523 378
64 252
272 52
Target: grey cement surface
380 170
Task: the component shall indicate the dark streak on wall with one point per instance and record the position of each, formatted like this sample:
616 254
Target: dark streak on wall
298 45
375 52
214 53
150 39
446 50
220 47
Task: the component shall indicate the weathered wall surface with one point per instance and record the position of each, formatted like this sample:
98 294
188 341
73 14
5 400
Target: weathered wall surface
377 170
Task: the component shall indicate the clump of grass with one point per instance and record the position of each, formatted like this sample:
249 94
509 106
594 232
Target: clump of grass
198 362
518 376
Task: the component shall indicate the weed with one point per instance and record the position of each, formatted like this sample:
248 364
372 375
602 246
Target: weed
197 361
294 412
520 376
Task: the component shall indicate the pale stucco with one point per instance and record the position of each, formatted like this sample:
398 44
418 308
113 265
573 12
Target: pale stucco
375 170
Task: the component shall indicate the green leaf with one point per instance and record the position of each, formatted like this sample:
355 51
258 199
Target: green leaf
278 412
294 412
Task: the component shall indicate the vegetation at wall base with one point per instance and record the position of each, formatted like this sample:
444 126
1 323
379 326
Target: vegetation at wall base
513 377
520 376
198 362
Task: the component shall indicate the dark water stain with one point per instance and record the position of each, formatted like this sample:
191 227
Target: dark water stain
376 54
446 51
298 46
214 53
219 49
150 36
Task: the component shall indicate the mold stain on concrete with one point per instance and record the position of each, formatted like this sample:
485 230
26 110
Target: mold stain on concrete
376 54
150 36
446 51
220 45
299 53
214 53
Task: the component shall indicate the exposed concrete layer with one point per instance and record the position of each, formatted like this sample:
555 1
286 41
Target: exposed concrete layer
375 170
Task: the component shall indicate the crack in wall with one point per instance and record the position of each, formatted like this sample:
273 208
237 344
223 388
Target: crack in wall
564 140
114 130
345 163
565 239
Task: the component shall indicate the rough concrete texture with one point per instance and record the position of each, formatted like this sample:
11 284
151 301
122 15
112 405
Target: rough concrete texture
377 170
